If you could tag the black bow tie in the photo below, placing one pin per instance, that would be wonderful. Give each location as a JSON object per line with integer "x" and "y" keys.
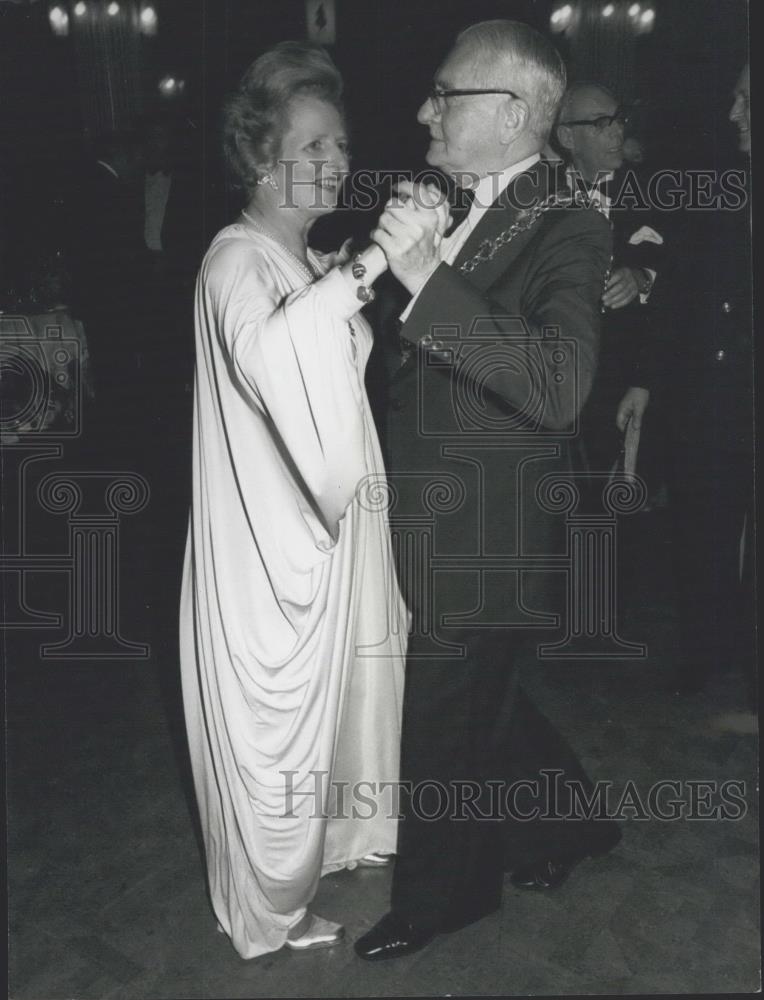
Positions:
{"x": 460, "y": 207}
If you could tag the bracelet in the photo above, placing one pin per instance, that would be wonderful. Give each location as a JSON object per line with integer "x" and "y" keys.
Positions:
{"x": 358, "y": 270}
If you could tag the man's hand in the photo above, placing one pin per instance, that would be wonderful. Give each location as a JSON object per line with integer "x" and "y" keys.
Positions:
{"x": 621, "y": 289}
{"x": 341, "y": 256}
{"x": 632, "y": 407}
{"x": 410, "y": 231}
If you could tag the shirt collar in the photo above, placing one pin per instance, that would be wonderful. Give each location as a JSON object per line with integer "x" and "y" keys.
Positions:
{"x": 601, "y": 178}
{"x": 492, "y": 185}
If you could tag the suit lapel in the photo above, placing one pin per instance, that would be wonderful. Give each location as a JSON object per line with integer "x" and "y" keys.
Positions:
{"x": 525, "y": 191}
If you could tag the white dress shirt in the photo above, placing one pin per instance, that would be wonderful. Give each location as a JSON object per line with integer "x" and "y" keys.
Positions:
{"x": 487, "y": 191}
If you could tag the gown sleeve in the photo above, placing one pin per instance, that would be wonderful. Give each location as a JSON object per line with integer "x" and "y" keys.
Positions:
{"x": 294, "y": 358}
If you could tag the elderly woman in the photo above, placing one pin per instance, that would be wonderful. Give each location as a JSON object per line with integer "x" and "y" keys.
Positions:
{"x": 292, "y": 626}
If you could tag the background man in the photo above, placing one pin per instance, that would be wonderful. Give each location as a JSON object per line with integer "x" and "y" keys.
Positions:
{"x": 471, "y": 413}
{"x": 710, "y": 367}
{"x": 591, "y": 132}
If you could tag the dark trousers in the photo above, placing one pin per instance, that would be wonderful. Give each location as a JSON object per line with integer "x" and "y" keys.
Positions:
{"x": 601, "y": 439}
{"x": 467, "y": 724}
{"x": 711, "y": 497}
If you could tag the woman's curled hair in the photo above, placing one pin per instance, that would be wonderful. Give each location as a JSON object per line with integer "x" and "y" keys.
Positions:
{"x": 255, "y": 116}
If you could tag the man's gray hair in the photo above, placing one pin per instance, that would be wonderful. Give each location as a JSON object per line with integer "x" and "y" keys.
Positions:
{"x": 513, "y": 56}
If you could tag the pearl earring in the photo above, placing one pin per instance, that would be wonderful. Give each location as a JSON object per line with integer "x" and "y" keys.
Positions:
{"x": 268, "y": 179}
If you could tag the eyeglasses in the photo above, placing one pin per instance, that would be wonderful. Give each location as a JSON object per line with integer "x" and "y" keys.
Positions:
{"x": 603, "y": 121}
{"x": 438, "y": 96}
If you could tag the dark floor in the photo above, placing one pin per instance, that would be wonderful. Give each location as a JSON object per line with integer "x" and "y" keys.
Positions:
{"x": 107, "y": 895}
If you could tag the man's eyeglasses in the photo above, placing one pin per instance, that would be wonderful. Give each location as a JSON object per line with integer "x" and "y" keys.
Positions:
{"x": 438, "y": 96}
{"x": 602, "y": 122}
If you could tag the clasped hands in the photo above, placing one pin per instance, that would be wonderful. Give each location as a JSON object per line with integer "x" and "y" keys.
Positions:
{"x": 410, "y": 231}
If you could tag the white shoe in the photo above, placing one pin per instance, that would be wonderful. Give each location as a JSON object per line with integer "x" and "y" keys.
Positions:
{"x": 374, "y": 860}
{"x": 320, "y": 934}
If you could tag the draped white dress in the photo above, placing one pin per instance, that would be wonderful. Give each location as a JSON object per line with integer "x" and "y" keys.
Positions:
{"x": 293, "y": 630}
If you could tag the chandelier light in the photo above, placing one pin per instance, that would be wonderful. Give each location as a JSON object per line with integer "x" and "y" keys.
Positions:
{"x": 59, "y": 21}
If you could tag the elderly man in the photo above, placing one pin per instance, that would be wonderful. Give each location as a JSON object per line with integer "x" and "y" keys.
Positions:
{"x": 498, "y": 348}
{"x": 591, "y": 131}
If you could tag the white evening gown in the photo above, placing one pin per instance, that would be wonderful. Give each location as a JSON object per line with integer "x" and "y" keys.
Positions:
{"x": 293, "y": 631}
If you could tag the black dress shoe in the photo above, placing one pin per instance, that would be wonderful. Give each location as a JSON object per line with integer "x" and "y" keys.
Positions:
{"x": 392, "y": 937}
{"x": 542, "y": 875}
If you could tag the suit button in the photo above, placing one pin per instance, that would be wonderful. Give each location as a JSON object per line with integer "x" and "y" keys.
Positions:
{"x": 437, "y": 345}
{"x": 720, "y": 355}
{"x": 726, "y": 307}
{"x": 427, "y": 339}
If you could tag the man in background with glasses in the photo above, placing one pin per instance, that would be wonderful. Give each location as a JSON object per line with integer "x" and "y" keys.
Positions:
{"x": 590, "y": 130}
{"x": 498, "y": 348}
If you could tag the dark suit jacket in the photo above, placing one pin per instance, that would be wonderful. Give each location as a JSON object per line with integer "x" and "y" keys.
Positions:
{"x": 709, "y": 368}
{"x": 631, "y": 336}
{"x": 110, "y": 276}
{"x": 632, "y": 341}
{"x": 488, "y": 400}
{"x": 110, "y": 249}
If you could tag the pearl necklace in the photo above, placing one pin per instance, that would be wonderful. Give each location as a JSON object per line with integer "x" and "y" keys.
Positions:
{"x": 308, "y": 271}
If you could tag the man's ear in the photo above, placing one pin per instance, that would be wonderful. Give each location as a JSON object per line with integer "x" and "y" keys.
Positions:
{"x": 565, "y": 137}
{"x": 514, "y": 119}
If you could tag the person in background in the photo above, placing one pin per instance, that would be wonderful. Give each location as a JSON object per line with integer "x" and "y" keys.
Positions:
{"x": 712, "y": 482}
{"x": 157, "y": 183}
{"x": 590, "y": 130}
{"x": 111, "y": 272}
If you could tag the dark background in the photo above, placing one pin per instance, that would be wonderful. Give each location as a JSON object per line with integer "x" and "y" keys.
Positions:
{"x": 680, "y": 75}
